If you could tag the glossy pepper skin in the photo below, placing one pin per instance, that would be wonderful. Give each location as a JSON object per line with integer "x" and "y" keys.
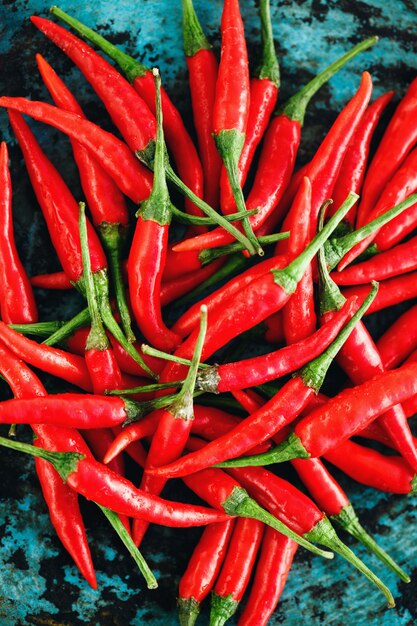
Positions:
{"x": 17, "y": 302}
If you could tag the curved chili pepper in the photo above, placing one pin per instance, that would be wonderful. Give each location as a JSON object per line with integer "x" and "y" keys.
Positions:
{"x": 263, "y": 94}
{"x": 55, "y": 280}
{"x": 148, "y": 250}
{"x": 298, "y": 315}
{"x": 258, "y": 370}
{"x": 369, "y": 467}
{"x": 399, "y": 340}
{"x": 352, "y": 170}
{"x": 281, "y": 410}
{"x": 399, "y": 137}
{"x": 202, "y": 75}
{"x": 202, "y": 570}
{"x": 300, "y": 513}
{"x": 402, "y": 184}
{"x": 236, "y": 570}
{"x": 173, "y": 429}
{"x": 61, "y": 500}
{"x": 277, "y": 159}
{"x": 340, "y": 418}
{"x": 178, "y": 139}
{"x": 391, "y": 291}
{"x": 105, "y": 201}
{"x": 17, "y": 303}
{"x": 274, "y": 563}
{"x": 132, "y": 178}
{"x": 70, "y": 367}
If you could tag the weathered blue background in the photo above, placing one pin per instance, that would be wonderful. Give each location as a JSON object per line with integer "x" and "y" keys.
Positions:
{"x": 38, "y": 582}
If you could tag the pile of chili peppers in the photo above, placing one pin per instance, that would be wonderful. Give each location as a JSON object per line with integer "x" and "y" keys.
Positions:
{"x": 128, "y": 382}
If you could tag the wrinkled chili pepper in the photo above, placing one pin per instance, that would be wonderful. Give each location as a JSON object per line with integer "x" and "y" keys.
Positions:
{"x": 17, "y": 302}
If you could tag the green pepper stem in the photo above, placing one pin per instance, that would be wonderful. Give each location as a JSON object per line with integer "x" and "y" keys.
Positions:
{"x": 349, "y": 521}
{"x": 208, "y": 255}
{"x": 196, "y": 220}
{"x": 40, "y": 329}
{"x": 112, "y": 236}
{"x": 145, "y": 388}
{"x": 136, "y": 410}
{"x": 240, "y": 504}
{"x": 269, "y": 66}
{"x": 331, "y": 298}
{"x": 127, "y": 64}
{"x": 229, "y": 144}
{"x": 295, "y": 107}
{"x": 324, "y": 533}
{"x": 182, "y": 407}
{"x": 313, "y": 374}
{"x": 65, "y": 463}
{"x": 97, "y": 338}
{"x": 337, "y": 248}
{"x": 68, "y": 328}
{"x": 222, "y": 608}
{"x": 193, "y": 35}
{"x": 291, "y": 448}
{"x": 168, "y": 357}
{"x": 188, "y": 611}
{"x": 137, "y": 556}
{"x": 289, "y": 277}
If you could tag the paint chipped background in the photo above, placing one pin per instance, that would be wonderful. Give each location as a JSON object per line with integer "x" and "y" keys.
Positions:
{"x": 38, "y": 582}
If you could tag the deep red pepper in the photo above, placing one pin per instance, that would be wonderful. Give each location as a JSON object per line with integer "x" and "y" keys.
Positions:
{"x": 17, "y": 302}
{"x": 277, "y": 159}
{"x": 402, "y": 184}
{"x": 352, "y": 170}
{"x": 274, "y": 563}
{"x": 55, "y": 280}
{"x": 202, "y": 569}
{"x": 202, "y": 75}
{"x": 399, "y": 340}
{"x": 174, "y": 289}
{"x": 178, "y": 139}
{"x": 236, "y": 569}
{"x": 148, "y": 250}
{"x": 70, "y": 367}
{"x": 399, "y": 137}
{"x": 391, "y": 291}
{"x": 263, "y": 90}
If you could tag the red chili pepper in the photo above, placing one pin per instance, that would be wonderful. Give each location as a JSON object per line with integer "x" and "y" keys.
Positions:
{"x": 174, "y": 289}
{"x": 369, "y": 467}
{"x": 61, "y": 500}
{"x": 236, "y": 569}
{"x": 277, "y": 158}
{"x": 263, "y": 91}
{"x": 399, "y": 340}
{"x": 202, "y": 75}
{"x": 148, "y": 250}
{"x": 17, "y": 303}
{"x": 57, "y": 203}
{"x": 402, "y": 184}
{"x": 352, "y": 170}
{"x": 71, "y": 368}
{"x": 300, "y": 513}
{"x": 259, "y": 370}
{"x": 173, "y": 429}
{"x": 399, "y": 137}
{"x": 96, "y": 482}
{"x": 391, "y": 291}
{"x": 178, "y": 139}
{"x": 280, "y": 411}
{"x": 55, "y": 280}
{"x": 298, "y": 315}
{"x": 274, "y": 563}
{"x": 132, "y": 178}
{"x": 103, "y": 198}
{"x": 274, "y": 332}
{"x": 202, "y": 569}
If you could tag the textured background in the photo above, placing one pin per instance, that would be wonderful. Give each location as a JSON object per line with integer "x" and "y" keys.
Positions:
{"x": 38, "y": 582}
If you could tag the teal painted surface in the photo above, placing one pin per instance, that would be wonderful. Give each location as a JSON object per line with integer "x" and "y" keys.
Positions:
{"x": 38, "y": 582}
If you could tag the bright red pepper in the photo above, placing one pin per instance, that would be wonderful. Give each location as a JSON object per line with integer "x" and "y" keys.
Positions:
{"x": 399, "y": 340}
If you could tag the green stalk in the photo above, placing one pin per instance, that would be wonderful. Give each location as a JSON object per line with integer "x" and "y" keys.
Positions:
{"x": 295, "y": 107}
{"x": 188, "y": 611}
{"x": 240, "y": 504}
{"x": 145, "y": 388}
{"x": 136, "y": 410}
{"x": 269, "y": 66}
{"x": 349, "y": 521}
{"x": 68, "y": 328}
{"x": 169, "y": 357}
{"x": 97, "y": 338}
{"x": 222, "y": 608}
{"x": 40, "y": 329}
{"x": 196, "y": 220}
{"x": 337, "y": 248}
{"x": 137, "y": 556}
{"x": 193, "y": 35}
{"x": 208, "y": 255}
{"x": 324, "y": 533}
{"x": 289, "y": 277}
